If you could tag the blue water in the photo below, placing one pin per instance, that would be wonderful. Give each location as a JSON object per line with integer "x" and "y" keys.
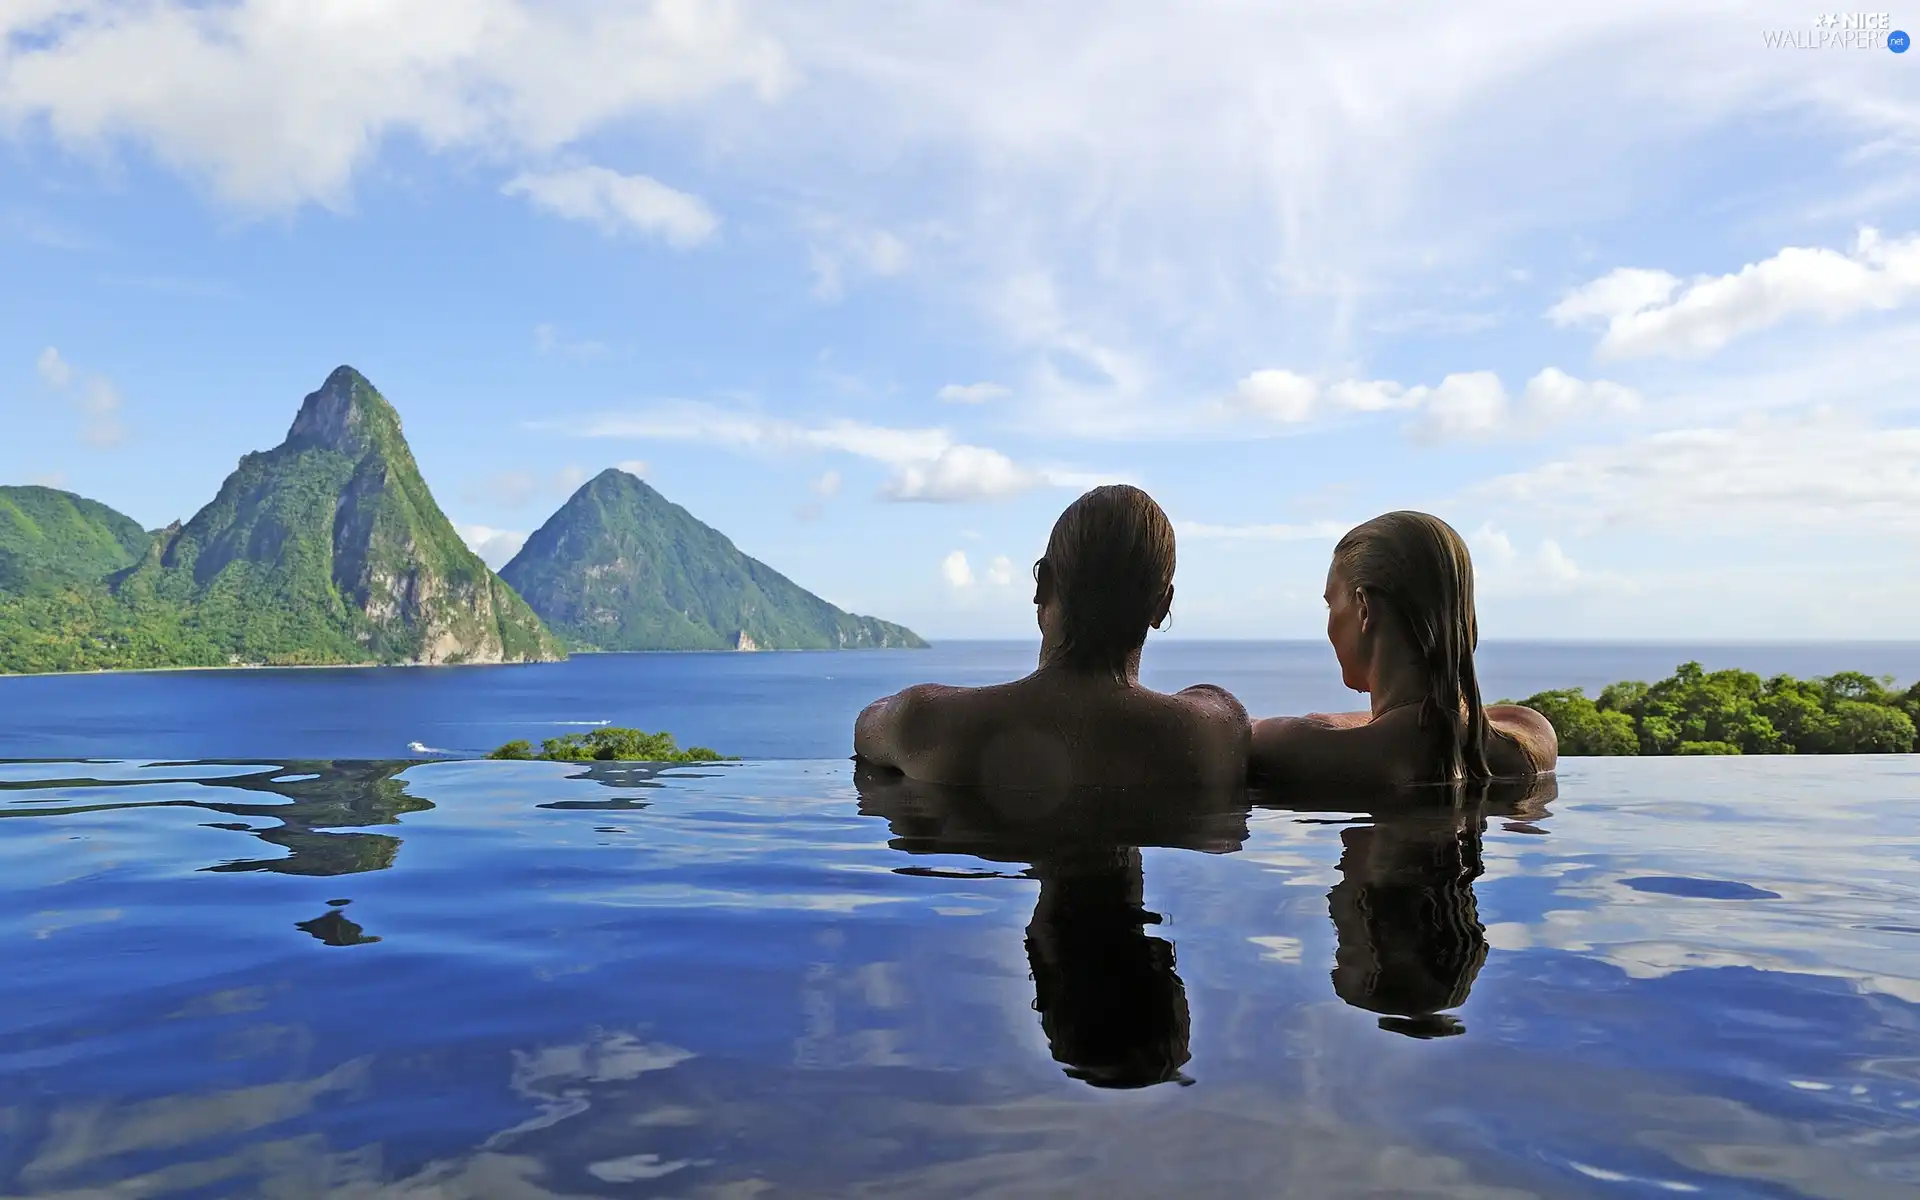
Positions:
{"x": 451, "y": 979}
{"x": 794, "y": 705}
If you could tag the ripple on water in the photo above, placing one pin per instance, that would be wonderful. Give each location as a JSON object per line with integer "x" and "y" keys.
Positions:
{"x": 773, "y": 977}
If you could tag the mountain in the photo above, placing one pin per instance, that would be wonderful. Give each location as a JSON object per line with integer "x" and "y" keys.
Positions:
{"x": 51, "y": 537}
{"x": 330, "y": 549}
{"x": 620, "y": 567}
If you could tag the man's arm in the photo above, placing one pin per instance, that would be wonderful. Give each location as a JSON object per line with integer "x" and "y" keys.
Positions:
{"x": 891, "y": 730}
{"x": 1226, "y": 721}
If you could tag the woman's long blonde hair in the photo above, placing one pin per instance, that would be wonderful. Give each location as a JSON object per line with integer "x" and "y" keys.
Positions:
{"x": 1418, "y": 567}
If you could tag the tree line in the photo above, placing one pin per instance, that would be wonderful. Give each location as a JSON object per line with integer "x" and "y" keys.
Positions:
{"x": 1696, "y": 711}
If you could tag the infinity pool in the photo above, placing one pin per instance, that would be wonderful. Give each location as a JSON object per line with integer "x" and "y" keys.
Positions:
{"x": 462, "y": 979}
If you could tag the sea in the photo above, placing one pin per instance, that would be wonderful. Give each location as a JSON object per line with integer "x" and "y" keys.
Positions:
{"x": 282, "y": 934}
{"x": 765, "y": 705}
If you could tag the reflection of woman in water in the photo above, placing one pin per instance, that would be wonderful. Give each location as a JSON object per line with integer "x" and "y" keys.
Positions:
{"x": 1111, "y": 1005}
{"x": 1400, "y": 615}
{"x": 1410, "y": 941}
{"x": 1408, "y": 928}
{"x": 1113, "y": 1010}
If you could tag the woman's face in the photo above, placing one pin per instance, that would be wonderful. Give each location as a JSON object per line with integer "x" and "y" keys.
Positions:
{"x": 1347, "y": 630}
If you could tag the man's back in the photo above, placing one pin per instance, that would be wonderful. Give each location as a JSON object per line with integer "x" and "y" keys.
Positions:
{"x": 1057, "y": 729}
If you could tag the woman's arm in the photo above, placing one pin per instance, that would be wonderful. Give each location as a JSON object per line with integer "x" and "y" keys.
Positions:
{"x": 1319, "y": 748}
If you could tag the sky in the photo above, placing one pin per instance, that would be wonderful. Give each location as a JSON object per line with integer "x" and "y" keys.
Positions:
{"x": 1627, "y": 292}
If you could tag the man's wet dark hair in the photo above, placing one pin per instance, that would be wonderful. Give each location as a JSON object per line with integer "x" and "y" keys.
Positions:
{"x": 1111, "y": 555}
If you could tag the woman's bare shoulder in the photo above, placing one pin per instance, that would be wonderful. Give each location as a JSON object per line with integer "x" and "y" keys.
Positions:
{"x": 1530, "y": 733}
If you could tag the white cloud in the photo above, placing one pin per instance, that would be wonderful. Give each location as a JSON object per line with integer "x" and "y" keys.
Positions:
{"x": 1278, "y": 394}
{"x": 496, "y": 546}
{"x": 959, "y": 474}
{"x": 1822, "y": 471}
{"x": 827, "y": 486}
{"x": 1468, "y": 405}
{"x": 518, "y": 486}
{"x": 1503, "y": 569}
{"x": 53, "y": 368}
{"x": 97, "y": 400}
{"x": 1000, "y": 572}
{"x": 1618, "y": 293}
{"x": 836, "y": 250}
{"x": 1553, "y": 396}
{"x": 1311, "y": 531}
{"x": 929, "y": 465}
{"x": 1374, "y": 395}
{"x": 277, "y": 104}
{"x": 973, "y": 393}
{"x": 636, "y": 467}
{"x": 1643, "y": 318}
{"x": 549, "y": 340}
{"x": 956, "y": 570}
{"x": 616, "y": 203}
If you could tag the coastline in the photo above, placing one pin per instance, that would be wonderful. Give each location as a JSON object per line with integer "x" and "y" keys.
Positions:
{"x": 421, "y": 666}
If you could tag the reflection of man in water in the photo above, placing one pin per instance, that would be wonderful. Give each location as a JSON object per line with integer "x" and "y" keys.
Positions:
{"x": 1112, "y": 1007}
{"x": 1113, "y": 1010}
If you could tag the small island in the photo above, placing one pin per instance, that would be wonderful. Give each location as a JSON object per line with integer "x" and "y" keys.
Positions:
{"x": 1696, "y": 711}
{"x": 612, "y": 744}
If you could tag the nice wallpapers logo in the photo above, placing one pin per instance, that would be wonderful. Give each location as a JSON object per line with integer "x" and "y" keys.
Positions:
{"x": 1842, "y": 31}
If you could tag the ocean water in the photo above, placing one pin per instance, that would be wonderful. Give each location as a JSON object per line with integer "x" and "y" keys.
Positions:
{"x": 783, "y": 705}
{"x": 271, "y": 977}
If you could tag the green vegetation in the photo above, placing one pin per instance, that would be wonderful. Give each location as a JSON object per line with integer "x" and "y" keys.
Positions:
{"x": 1695, "y": 711}
{"x": 620, "y": 567}
{"x": 49, "y": 538}
{"x": 327, "y": 549}
{"x": 612, "y": 744}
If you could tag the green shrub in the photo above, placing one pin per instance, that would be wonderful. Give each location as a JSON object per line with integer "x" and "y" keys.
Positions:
{"x": 1863, "y": 728}
{"x": 611, "y": 744}
{"x": 1584, "y": 729}
{"x": 1706, "y": 748}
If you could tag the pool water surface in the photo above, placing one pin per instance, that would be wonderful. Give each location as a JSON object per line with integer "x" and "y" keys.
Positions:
{"x": 445, "y": 979}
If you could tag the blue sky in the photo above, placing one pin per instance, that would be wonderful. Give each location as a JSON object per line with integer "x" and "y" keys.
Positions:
{"x": 1628, "y": 296}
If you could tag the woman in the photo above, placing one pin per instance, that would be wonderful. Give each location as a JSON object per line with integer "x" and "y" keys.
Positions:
{"x": 1082, "y": 718}
{"x": 1400, "y": 617}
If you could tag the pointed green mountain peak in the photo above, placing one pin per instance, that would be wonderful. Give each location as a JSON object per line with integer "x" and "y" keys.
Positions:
{"x": 347, "y": 415}
{"x": 621, "y": 567}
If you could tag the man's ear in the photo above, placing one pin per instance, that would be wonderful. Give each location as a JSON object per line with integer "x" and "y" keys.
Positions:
{"x": 1043, "y": 583}
{"x": 1362, "y": 610}
{"x": 1162, "y": 609}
